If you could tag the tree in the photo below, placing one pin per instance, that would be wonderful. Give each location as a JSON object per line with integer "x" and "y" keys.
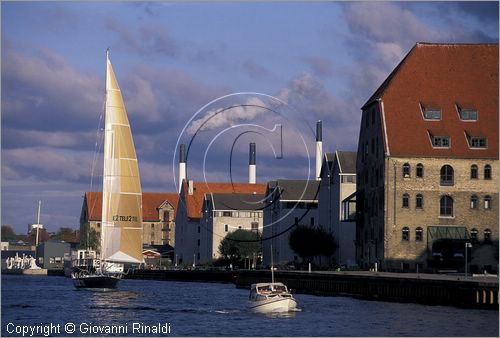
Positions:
{"x": 7, "y": 233}
{"x": 240, "y": 244}
{"x": 66, "y": 235}
{"x": 310, "y": 242}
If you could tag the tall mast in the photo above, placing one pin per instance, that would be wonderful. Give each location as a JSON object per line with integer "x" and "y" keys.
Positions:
{"x": 38, "y": 221}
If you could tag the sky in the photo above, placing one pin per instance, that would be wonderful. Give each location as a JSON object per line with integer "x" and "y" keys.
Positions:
{"x": 215, "y": 75}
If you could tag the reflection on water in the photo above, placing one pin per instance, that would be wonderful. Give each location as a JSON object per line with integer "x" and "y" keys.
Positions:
{"x": 211, "y": 309}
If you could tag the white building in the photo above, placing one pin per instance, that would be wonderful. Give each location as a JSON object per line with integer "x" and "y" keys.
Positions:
{"x": 188, "y": 234}
{"x": 336, "y": 207}
{"x": 225, "y": 213}
{"x": 288, "y": 203}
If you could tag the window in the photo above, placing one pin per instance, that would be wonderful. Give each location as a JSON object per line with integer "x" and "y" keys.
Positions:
{"x": 406, "y": 200}
{"x": 478, "y": 142}
{"x": 226, "y": 213}
{"x": 487, "y": 202}
{"x": 198, "y": 242}
{"x": 487, "y": 235}
{"x": 420, "y": 170}
{"x": 406, "y": 170}
{"x": 226, "y": 227}
{"x": 446, "y": 206}
{"x": 419, "y": 234}
{"x": 440, "y": 141}
{"x": 199, "y": 229}
{"x": 446, "y": 175}
{"x": 473, "y": 202}
{"x": 312, "y": 221}
{"x": 473, "y": 235}
{"x": 473, "y": 172}
{"x": 430, "y": 113}
{"x": 467, "y": 114}
{"x": 405, "y": 234}
{"x": 419, "y": 201}
{"x": 255, "y": 227}
{"x": 487, "y": 172}
{"x": 152, "y": 226}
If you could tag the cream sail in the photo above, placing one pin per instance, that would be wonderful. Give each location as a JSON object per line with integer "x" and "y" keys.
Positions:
{"x": 121, "y": 237}
{"x": 121, "y": 234}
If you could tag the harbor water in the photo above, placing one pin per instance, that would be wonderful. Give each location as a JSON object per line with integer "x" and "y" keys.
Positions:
{"x": 49, "y": 305}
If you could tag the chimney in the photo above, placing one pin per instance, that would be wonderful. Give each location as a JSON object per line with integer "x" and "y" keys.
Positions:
{"x": 319, "y": 149}
{"x": 252, "y": 169}
{"x": 182, "y": 165}
{"x": 190, "y": 187}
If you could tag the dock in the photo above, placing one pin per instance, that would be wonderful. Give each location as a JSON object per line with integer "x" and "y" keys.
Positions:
{"x": 479, "y": 292}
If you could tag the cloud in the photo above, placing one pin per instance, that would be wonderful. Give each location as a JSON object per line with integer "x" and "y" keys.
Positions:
{"x": 255, "y": 70}
{"x": 15, "y": 138}
{"x": 47, "y": 163}
{"x": 385, "y": 22}
{"x": 145, "y": 40}
{"x": 44, "y": 91}
{"x": 320, "y": 66}
{"x": 218, "y": 118}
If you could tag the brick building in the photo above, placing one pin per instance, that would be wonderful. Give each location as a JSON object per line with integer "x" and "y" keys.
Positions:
{"x": 427, "y": 162}
{"x": 158, "y": 216}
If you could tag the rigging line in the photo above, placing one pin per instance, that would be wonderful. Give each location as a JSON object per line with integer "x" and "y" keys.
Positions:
{"x": 97, "y": 150}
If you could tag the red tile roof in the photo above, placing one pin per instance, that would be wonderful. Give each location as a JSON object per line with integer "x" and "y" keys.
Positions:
{"x": 150, "y": 201}
{"x": 441, "y": 76}
{"x": 195, "y": 201}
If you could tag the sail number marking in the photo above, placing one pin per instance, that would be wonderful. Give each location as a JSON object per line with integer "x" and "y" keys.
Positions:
{"x": 120, "y": 218}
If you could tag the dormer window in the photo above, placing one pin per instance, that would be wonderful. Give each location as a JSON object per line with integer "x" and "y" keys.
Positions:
{"x": 430, "y": 113}
{"x": 466, "y": 114}
{"x": 476, "y": 142}
{"x": 439, "y": 141}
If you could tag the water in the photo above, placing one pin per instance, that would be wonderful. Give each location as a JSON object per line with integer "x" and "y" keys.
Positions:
{"x": 213, "y": 309}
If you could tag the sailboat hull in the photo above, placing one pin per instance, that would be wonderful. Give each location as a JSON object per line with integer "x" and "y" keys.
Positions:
{"x": 96, "y": 282}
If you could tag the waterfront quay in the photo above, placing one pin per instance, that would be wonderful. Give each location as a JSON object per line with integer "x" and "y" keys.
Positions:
{"x": 430, "y": 289}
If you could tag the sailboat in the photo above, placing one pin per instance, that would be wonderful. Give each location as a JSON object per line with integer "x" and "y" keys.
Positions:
{"x": 121, "y": 234}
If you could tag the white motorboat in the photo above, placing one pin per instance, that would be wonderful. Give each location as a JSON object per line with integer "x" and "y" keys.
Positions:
{"x": 271, "y": 298}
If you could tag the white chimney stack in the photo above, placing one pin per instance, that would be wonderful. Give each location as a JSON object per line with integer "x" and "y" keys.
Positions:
{"x": 252, "y": 168}
{"x": 182, "y": 165}
{"x": 319, "y": 149}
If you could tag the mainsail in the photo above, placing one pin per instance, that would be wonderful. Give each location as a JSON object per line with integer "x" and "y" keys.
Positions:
{"x": 121, "y": 236}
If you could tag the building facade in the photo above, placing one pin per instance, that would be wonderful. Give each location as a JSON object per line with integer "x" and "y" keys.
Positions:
{"x": 288, "y": 203}
{"x": 50, "y": 254}
{"x": 427, "y": 163}
{"x": 158, "y": 210}
{"x": 337, "y": 185}
{"x": 188, "y": 235}
{"x": 225, "y": 213}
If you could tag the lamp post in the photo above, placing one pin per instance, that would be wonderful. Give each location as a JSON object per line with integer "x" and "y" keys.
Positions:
{"x": 467, "y": 245}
